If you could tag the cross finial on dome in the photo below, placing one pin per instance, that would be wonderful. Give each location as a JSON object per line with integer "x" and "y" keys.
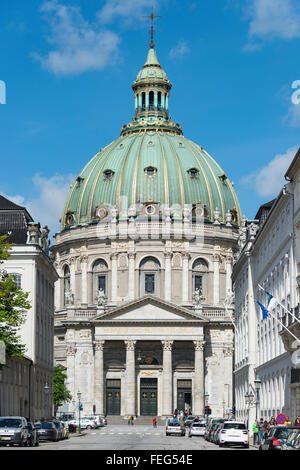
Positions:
{"x": 152, "y": 18}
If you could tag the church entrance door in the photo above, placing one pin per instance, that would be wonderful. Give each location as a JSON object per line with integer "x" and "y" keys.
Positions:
{"x": 148, "y": 396}
{"x": 113, "y": 397}
{"x": 184, "y": 395}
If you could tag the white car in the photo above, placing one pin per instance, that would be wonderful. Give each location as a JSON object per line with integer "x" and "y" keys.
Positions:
{"x": 96, "y": 419}
{"x": 84, "y": 423}
{"x": 233, "y": 433}
{"x": 197, "y": 429}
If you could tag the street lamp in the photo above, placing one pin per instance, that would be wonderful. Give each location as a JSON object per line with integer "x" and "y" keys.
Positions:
{"x": 46, "y": 390}
{"x": 79, "y": 409}
{"x": 248, "y": 400}
{"x": 257, "y": 385}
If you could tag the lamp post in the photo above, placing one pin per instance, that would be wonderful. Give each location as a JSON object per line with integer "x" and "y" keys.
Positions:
{"x": 46, "y": 390}
{"x": 79, "y": 409}
{"x": 257, "y": 385}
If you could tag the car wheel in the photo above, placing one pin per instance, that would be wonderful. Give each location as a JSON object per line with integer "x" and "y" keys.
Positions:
{"x": 37, "y": 443}
{"x": 246, "y": 446}
{"x": 89, "y": 427}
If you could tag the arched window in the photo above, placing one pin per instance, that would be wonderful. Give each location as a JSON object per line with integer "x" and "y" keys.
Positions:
{"x": 199, "y": 276}
{"x": 100, "y": 273}
{"x": 143, "y": 100}
{"x": 149, "y": 276}
{"x": 151, "y": 100}
{"x": 159, "y": 100}
{"x": 67, "y": 282}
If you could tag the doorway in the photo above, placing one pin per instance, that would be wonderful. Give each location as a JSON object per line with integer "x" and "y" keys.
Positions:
{"x": 148, "y": 396}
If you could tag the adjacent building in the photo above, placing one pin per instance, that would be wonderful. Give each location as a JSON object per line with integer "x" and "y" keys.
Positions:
{"x": 24, "y": 382}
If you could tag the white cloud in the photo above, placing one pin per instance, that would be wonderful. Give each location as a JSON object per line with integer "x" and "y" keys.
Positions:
{"x": 131, "y": 10}
{"x": 271, "y": 19}
{"x": 179, "y": 50}
{"x": 47, "y": 206}
{"x": 268, "y": 180}
{"x": 77, "y": 45}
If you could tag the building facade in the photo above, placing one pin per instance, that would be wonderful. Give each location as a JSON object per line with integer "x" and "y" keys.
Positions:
{"x": 23, "y": 381}
{"x": 263, "y": 347}
{"x": 143, "y": 319}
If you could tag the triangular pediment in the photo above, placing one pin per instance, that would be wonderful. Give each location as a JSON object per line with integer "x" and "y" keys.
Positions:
{"x": 152, "y": 309}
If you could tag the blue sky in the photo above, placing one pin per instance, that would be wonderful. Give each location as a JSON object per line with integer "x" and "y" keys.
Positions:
{"x": 68, "y": 66}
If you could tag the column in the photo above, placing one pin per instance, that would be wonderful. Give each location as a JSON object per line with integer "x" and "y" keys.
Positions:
{"x": 167, "y": 378}
{"x": 147, "y": 100}
{"x": 71, "y": 352}
{"x": 168, "y": 279}
{"x": 228, "y": 274}
{"x": 198, "y": 405}
{"x": 216, "y": 260}
{"x": 131, "y": 276}
{"x": 84, "y": 300}
{"x": 98, "y": 377}
{"x": 155, "y": 99}
{"x": 114, "y": 278}
{"x": 167, "y": 102}
{"x": 185, "y": 277}
{"x": 130, "y": 378}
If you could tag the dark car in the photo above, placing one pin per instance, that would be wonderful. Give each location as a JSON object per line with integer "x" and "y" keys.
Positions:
{"x": 33, "y": 436}
{"x": 293, "y": 440}
{"x": 60, "y": 429}
{"x": 188, "y": 421}
{"x": 47, "y": 431}
{"x": 276, "y": 437}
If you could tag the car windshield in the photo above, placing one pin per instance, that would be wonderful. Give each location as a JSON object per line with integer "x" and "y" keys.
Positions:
{"x": 173, "y": 424}
{"x": 198, "y": 425}
{"x": 281, "y": 433}
{"x": 234, "y": 426}
{"x": 43, "y": 425}
{"x": 10, "y": 423}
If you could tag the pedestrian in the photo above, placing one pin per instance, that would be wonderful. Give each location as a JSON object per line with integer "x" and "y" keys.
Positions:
{"x": 154, "y": 422}
{"x": 272, "y": 421}
{"x": 190, "y": 412}
{"x": 132, "y": 418}
{"x": 297, "y": 422}
{"x": 255, "y": 431}
{"x": 128, "y": 419}
{"x": 261, "y": 431}
{"x": 175, "y": 419}
{"x": 266, "y": 426}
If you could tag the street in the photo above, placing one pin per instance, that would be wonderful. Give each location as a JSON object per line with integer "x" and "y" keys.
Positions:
{"x": 129, "y": 438}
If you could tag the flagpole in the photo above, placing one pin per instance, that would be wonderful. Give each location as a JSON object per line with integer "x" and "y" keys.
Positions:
{"x": 281, "y": 305}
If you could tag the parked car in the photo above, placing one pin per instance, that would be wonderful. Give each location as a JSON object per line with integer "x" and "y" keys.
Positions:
{"x": 174, "y": 428}
{"x": 293, "y": 440}
{"x": 66, "y": 430}
{"x": 104, "y": 419}
{"x": 97, "y": 419}
{"x": 47, "y": 431}
{"x": 276, "y": 437}
{"x": 85, "y": 423}
{"x": 212, "y": 431}
{"x": 33, "y": 436}
{"x": 216, "y": 436}
{"x": 60, "y": 429}
{"x": 188, "y": 421}
{"x": 234, "y": 433}
{"x": 13, "y": 430}
{"x": 196, "y": 429}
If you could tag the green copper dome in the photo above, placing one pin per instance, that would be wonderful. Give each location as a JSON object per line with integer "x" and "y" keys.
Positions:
{"x": 150, "y": 163}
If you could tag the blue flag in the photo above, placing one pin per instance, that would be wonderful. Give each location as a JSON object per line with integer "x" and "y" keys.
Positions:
{"x": 263, "y": 309}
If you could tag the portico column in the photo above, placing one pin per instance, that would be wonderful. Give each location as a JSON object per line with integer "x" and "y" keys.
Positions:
{"x": 98, "y": 377}
{"x": 185, "y": 277}
{"x": 114, "y": 279}
{"x": 167, "y": 378}
{"x": 168, "y": 277}
{"x": 198, "y": 405}
{"x": 130, "y": 378}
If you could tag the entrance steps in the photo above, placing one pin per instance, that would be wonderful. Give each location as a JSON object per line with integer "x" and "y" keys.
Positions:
{"x": 143, "y": 420}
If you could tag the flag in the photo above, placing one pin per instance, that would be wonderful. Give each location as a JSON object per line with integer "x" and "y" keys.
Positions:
{"x": 263, "y": 309}
{"x": 271, "y": 300}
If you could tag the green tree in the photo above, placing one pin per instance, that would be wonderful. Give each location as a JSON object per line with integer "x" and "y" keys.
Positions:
{"x": 60, "y": 392}
{"x": 13, "y": 307}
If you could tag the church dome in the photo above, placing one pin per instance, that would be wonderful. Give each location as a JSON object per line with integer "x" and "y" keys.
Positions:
{"x": 151, "y": 163}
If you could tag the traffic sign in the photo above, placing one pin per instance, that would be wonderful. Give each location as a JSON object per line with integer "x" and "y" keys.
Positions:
{"x": 281, "y": 419}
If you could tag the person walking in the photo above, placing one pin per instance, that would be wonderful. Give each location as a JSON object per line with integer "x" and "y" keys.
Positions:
{"x": 132, "y": 419}
{"x": 128, "y": 420}
{"x": 255, "y": 431}
{"x": 261, "y": 431}
{"x": 154, "y": 422}
{"x": 272, "y": 421}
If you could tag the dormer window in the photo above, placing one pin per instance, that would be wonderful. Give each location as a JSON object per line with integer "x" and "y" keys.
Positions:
{"x": 108, "y": 174}
{"x": 193, "y": 172}
{"x": 150, "y": 170}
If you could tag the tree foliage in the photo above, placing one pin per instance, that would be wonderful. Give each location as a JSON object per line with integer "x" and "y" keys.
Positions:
{"x": 60, "y": 392}
{"x": 13, "y": 307}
